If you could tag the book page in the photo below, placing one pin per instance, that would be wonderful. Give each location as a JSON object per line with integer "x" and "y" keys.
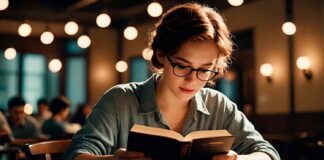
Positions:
{"x": 206, "y": 134}
{"x": 157, "y": 132}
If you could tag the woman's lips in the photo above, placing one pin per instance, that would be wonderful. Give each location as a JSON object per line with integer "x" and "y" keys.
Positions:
{"x": 186, "y": 90}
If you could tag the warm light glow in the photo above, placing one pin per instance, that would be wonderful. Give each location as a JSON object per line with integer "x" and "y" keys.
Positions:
{"x": 47, "y": 37}
{"x": 130, "y": 33}
{"x": 84, "y": 41}
{"x": 55, "y": 65}
{"x": 28, "y": 109}
{"x": 71, "y": 28}
{"x": 266, "y": 69}
{"x": 289, "y": 28}
{"x": 235, "y": 2}
{"x": 121, "y": 66}
{"x": 147, "y": 53}
{"x": 24, "y": 30}
{"x": 10, "y": 53}
{"x": 4, "y": 4}
{"x": 103, "y": 20}
{"x": 303, "y": 63}
{"x": 154, "y": 9}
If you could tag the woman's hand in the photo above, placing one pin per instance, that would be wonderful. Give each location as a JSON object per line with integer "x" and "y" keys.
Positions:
{"x": 231, "y": 155}
{"x": 122, "y": 154}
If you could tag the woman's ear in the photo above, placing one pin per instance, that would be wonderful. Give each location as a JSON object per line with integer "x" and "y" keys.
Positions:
{"x": 160, "y": 57}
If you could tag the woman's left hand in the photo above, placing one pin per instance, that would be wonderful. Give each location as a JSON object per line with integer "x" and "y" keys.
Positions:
{"x": 231, "y": 155}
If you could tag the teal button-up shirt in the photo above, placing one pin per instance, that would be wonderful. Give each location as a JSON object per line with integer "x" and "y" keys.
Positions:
{"x": 107, "y": 127}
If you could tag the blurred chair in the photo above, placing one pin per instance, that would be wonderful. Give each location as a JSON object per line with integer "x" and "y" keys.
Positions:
{"x": 46, "y": 150}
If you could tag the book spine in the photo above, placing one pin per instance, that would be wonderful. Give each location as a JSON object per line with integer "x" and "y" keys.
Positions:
{"x": 185, "y": 149}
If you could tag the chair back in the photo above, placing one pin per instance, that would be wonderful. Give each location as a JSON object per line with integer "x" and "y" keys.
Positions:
{"x": 47, "y": 149}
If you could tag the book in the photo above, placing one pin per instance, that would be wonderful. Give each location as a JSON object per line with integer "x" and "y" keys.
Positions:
{"x": 164, "y": 144}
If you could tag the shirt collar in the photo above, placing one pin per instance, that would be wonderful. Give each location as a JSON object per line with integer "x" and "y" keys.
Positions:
{"x": 148, "y": 99}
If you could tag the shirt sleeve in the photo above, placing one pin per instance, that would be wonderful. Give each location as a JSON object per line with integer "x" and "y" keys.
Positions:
{"x": 98, "y": 135}
{"x": 247, "y": 139}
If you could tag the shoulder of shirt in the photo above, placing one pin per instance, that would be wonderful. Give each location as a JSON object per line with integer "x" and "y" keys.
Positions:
{"x": 212, "y": 93}
{"x": 126, "y": 88}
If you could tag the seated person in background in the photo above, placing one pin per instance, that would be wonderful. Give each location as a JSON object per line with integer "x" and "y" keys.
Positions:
{"x": 56, "y": 127}
{"x": 43, "y": 111}
{"x": 22, "y": 125}
{"x": 81, "y": 114}
{"x": 5, "y": 131}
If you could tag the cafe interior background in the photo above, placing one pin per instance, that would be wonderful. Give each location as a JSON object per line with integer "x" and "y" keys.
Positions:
{"x": 276, "y": 77}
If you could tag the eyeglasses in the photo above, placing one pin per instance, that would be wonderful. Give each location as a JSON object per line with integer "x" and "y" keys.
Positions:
{"x": 185, "y": 71}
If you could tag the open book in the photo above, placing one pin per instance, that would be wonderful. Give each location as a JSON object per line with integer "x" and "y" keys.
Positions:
{"x": 162, "y": 144}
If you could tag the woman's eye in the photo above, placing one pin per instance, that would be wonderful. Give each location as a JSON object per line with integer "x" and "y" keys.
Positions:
{"x": 181, "y": 66}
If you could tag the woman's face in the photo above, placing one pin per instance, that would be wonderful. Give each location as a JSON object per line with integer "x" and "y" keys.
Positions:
{"x": 197, "y": 55}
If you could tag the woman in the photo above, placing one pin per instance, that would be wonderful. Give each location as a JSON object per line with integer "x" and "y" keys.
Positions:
{"x": 191, "y": 45}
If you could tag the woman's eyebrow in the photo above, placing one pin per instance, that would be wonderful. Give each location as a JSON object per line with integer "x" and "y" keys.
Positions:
{"x": 186, "y": 61}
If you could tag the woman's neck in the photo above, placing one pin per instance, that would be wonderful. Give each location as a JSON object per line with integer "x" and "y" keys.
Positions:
{"x": 166, "y": 99}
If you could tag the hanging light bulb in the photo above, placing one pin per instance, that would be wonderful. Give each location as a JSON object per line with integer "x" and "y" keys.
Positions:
{"x": 130, "y": 33}
{"x": 47, "y": 37}
{"x": 289, "y": 28}
{"x": 84, "y": 41}
{"x": 71, "y": 28}
{"x": 154, "y": 9}
{"x": 121, "y": 66}
{"x": 266, "y": 69}
{"x": 103, "y": 20}
{"x": 147, "y": 53}
{"x": 28, "y": 109}
{"x": 24, "y": 30}
{"x": 4, "y": 4}
{"x": 10, "y": 53}
{"x": 55, "y": 65}
{"x": 235, "y": 3}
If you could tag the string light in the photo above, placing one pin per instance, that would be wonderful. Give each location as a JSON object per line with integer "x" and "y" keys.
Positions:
{"x": 154, "y": 9}
{"x": 47, "y": 37}
{"x": 235, "y": 3}
{"x": 130, "y": 33}
{"x": 289, "y": 28}
{"x": 103, "y": 20}
{"x": 71, "y": 28}
{"x": 10, "y": 53}
{"x": 28, "y": 109}
{"x": 84, "y": 41}
{"x": 24, "y": 30}
{"x": 121, "y": 66}
{"x": 4, "y": 4}
{"x": 147, "y": 53}
{"x": 55, "y": 65}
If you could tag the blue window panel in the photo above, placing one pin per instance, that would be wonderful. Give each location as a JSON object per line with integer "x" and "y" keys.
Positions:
{"x": 72, "y": 48}
{"x": 53, "y": 85}
{"x": 76, "y": 81}
{"x": 33, "y": 79}
{"x": 138, "y": 69}
{"x": 8, "y": 79}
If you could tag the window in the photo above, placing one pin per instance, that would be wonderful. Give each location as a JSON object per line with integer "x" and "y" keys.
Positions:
{"x": 138, "y": 69}
{"x": 8, "y": 79}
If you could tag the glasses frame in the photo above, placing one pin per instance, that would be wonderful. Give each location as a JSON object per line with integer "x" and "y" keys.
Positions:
{"x": 214, "y": 72}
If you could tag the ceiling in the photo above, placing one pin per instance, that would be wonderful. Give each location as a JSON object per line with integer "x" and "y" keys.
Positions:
{"x": 122, "y": 12}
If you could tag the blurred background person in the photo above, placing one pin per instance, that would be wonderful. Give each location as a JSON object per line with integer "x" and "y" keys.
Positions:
{"x": 81, "y": 114}
{"x": 22, "y": 125}
{"x": 57, "y": 127}
{"x": 43, "y": 112}
{"x": 5, "y": 131}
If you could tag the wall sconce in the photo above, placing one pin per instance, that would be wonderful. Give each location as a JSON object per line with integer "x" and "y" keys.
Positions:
{"x": 303, "y": 63}
{"x": 267, "y": 70}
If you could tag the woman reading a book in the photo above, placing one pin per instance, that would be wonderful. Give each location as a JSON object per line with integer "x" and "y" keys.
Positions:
{"x": 192, "y": 47}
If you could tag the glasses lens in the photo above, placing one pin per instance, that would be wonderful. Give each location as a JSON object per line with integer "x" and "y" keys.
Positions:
{"x": 181, "y": 71}
{"x": 206, "y": 75}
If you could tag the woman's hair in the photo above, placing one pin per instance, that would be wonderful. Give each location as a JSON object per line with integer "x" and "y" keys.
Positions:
{"x": 190, "y": 22}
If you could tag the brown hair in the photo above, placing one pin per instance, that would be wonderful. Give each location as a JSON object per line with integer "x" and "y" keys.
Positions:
{"x": 190, "y": 22}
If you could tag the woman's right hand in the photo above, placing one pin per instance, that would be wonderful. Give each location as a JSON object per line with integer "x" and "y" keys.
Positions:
{"x": 123, "y": 154}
